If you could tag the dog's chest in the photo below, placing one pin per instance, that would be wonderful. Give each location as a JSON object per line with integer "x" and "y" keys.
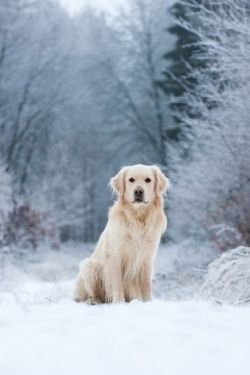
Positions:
{"x": 142, "y": 233}
{"x": 140, "y": 239}
{"x": 140, "y": 244}
{"x": 138, "y": 251}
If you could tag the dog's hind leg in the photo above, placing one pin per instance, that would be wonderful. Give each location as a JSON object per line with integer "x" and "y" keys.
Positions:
{"x": 89, "y": 281}
{"x": 80, "y": 293}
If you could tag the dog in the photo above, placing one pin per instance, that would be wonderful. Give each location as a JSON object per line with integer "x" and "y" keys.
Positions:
{"x": 121, "y": 266}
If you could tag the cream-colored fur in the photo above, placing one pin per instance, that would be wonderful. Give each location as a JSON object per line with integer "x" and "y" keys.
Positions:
{"x": 121, "y": 267}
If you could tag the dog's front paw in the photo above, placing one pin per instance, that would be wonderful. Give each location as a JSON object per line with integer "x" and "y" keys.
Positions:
{"x": 118, "y": 300}
{"x": 147, "y": 298}
{"x": 92, "y": 301}
{"x": 115, "y": 299}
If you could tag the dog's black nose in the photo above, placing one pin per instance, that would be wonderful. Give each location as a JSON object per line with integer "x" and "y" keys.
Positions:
{"x": 139, "y": 192}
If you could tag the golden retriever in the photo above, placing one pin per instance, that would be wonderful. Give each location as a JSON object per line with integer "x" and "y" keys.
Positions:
{"x": 121, "y": 267}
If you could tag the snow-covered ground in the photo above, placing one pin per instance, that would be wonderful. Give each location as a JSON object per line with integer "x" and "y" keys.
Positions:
{"x": 42, "y": 331}
{"x": 153, "y": 338}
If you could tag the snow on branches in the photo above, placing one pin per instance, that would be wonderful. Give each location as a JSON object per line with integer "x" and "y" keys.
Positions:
{"x": 214, "y": 188}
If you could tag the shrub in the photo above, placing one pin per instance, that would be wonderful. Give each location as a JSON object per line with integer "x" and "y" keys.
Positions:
{"x": 25, "y": 226}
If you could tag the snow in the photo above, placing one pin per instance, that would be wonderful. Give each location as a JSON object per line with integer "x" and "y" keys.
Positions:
{"x": 152, "y": 338}
{"x": 42, "y": 331}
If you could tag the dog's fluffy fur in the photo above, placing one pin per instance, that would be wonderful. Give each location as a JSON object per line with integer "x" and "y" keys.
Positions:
{"x": 121, "y": 267}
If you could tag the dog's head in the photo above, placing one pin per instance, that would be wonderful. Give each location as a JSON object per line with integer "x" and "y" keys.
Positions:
{"x": 139, "y": 184}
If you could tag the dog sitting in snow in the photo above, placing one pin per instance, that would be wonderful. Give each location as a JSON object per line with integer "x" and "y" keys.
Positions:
{"x": 121, "y": 267}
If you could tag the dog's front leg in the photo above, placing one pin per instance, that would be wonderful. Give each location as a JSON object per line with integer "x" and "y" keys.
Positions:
{"x": 117, "y": 284}
{"x": 114, "y": 281}
{"x": 146, "y": 282}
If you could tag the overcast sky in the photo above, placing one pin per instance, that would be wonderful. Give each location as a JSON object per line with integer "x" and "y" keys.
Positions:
{"x": 73, "y": 6}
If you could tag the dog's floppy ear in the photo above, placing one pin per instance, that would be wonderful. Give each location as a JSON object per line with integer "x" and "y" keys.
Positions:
{"x": 161, "y": 182}
{"x": 117, "y": 182}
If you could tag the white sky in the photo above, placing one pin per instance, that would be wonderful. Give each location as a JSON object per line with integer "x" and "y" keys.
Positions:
{"x": 74, "y": 6}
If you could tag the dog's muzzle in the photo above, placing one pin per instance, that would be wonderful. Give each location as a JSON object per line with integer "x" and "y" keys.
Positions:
{"x": 139, "y": 195}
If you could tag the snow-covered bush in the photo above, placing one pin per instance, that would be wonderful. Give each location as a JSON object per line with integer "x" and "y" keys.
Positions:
{"x": 21, "y": 225}
{"x": 225, "y": 237}
{"x": 228, "y": 277}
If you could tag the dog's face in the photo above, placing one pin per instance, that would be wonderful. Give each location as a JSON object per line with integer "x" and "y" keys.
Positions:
{"x": 139, "y": 184}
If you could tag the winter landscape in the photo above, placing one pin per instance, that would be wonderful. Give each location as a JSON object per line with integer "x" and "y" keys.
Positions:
{"x": 86, "y": 88}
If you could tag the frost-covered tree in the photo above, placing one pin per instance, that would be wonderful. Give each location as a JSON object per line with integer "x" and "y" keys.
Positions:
{"x": 214, "y": 188}
{"x": 5, "y": 207}
{"x": 31, "y": 67}
{"x": 135, "y": 72}
{"x": 81, "y": 157}
{"x": 5, "y": 191}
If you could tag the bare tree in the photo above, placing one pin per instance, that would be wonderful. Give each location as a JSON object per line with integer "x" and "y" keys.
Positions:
{"x": 28, "y": 99}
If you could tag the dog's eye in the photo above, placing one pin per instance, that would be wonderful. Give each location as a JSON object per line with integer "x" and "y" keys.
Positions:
{"x": 148, "y": 180}
{"x": 131, "y": 179}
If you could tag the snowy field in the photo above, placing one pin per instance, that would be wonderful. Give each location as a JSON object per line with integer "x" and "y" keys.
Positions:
{"x": 42, "y": 331}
